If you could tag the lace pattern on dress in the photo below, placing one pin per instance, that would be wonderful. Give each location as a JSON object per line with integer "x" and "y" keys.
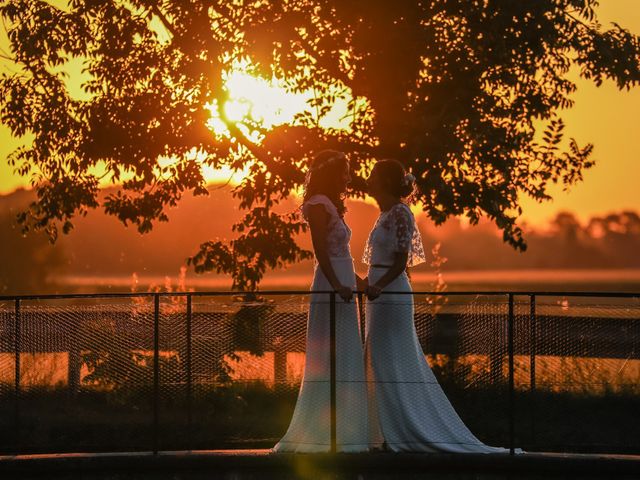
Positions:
{"x": 395, "y": 231}
{"x": 338, "y": 233}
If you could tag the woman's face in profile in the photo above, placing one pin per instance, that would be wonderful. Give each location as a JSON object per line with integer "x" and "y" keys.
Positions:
{"x": 345, "y": 176}
{"x": 373, "y": 182}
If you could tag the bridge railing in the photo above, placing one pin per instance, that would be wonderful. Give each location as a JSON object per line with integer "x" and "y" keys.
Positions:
{"x": 544, "y": 371}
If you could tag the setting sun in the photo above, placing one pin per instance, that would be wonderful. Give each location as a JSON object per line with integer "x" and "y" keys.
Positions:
{"x": 257, "y": 104}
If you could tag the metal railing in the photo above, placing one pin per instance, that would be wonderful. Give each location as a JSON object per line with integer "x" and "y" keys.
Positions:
{"x": 529, "y": 317}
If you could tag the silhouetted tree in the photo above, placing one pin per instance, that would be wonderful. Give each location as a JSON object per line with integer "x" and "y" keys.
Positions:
{"x": 617, "y": 236}
{"x": 450, "y": 87}
{"x": 28, "y": 262}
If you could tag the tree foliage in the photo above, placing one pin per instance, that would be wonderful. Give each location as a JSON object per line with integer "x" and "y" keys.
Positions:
{"x": 453, "y": 88}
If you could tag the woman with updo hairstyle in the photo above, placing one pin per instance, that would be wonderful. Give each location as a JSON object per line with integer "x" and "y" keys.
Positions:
{"x": 409, "y": 411}
{"x": 310, "y": 428}
{"x": 393, "y": 179}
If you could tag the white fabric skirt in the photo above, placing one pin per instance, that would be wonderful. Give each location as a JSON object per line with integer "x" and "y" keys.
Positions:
{"x": 409, "y": 411}
{"x": 310, "y": 427}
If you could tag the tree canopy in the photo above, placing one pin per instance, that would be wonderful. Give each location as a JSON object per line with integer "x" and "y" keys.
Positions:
{"x": 454, "y": 89}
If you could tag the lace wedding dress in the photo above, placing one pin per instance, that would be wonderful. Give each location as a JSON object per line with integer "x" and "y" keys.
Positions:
{"x": 309, "y": 430}
{"x": 408, "y": 409}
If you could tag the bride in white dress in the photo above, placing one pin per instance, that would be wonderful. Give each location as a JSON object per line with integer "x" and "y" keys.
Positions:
{"x": 309, "y": 430}
{"x": 409, "y": 410}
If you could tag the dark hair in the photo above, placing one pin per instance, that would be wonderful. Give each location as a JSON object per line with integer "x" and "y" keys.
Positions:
{"x": 321, "y": 179}
{"x": 394, "y": 178}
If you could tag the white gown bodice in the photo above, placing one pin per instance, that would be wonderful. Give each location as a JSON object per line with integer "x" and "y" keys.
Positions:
{"x": 394, "y": 232}
{"x": 338, "y": 232}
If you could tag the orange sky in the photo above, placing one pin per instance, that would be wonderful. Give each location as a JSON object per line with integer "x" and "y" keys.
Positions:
{"x": 603, "y": 116}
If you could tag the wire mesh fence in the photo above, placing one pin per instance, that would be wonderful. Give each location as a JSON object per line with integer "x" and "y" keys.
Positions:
{"x": 220, "y": 370}
{"x": 466, "y": 346}
{"x": 577, "y": 372}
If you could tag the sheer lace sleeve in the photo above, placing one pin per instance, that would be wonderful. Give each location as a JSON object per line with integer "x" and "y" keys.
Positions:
{"x": 368, "y": 251}
{"x": 407, "y": 236}
{"x": 395, "y": 231}
{"x": 403, "y": 228}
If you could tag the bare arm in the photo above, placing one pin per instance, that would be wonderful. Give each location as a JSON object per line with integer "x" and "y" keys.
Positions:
{"x": 317, "y": 217}
{"x": 399, "y": 265}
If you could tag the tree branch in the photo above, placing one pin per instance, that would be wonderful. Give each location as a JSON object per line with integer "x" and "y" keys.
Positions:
{"x": 165, "y": 21}
{"x": 313, "y": 53}
{"x": 577, "y": 20}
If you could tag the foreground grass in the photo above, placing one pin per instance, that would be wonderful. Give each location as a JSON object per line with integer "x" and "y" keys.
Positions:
{"x": 256, "y": 416}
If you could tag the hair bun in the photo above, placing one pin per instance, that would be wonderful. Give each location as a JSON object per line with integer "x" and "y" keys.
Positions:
{"x": 409, "y": 178}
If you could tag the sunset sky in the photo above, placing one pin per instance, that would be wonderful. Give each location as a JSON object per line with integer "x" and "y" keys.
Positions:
{"x": 601, "y": 115}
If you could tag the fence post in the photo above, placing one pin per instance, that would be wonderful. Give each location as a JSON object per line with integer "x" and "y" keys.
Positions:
{"x": 189, "y": 373}
{"x": 156, "y": 369}
{"x": 332, "y": 347}
{"x": 510, "y": 329}
{"x": 17, "y": 376}
{"x": 532, "y": 362}
{"x": 361, "y": 314}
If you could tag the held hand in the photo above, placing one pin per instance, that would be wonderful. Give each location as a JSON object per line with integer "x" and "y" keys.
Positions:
{"x": 345, "y": 293}
{"x": 362, "y": 283}
{"x": 373, "y": 292}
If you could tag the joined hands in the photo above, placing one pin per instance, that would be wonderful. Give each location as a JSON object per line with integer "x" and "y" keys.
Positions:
{"x": 346, "y": 293}
{"x": 362, "y": 284}
{"x": 371, "y": 291}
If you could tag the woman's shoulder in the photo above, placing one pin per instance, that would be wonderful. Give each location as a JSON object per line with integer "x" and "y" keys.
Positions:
{"x": 318, "y": 199}
{"x": 401, "y": 209}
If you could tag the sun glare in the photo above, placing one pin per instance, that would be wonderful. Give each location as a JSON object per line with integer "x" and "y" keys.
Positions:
{"x": 255, "y": 105}
{"x": 266, "y": 102}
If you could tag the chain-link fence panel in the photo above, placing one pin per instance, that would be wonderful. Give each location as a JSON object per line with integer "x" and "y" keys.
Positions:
{"x": 8, "y": 399}
{"x": 247, "y": 363}
{"x": 85, "y": 376}
{"x": 174, "y": 369}
{"x": 199, "y": 371}
{"x": 464, "y": 338}
{"x": 577, "y": 372}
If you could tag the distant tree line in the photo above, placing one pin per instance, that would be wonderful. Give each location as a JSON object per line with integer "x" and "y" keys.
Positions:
{"x": 101, "y": 247}
{"x": 609, "y": 241}
{"x": 28, "y": 263}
